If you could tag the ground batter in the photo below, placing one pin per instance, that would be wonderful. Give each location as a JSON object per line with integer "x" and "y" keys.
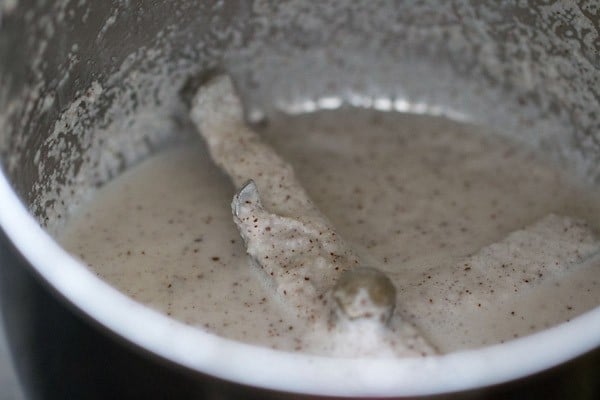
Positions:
{"x": 483, "y": 241}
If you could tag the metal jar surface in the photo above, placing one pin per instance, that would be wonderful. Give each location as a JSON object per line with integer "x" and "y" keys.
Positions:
{"x": 89, "y": 88}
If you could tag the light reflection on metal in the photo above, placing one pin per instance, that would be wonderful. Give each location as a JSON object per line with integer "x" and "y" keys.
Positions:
{"x": 384, "y": 104}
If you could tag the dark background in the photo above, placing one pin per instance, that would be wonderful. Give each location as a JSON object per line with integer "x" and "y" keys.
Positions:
{"x": 10, "y": 389}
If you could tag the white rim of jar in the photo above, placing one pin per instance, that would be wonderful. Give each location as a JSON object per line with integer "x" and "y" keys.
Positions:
{"x": 278, "y": 370}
